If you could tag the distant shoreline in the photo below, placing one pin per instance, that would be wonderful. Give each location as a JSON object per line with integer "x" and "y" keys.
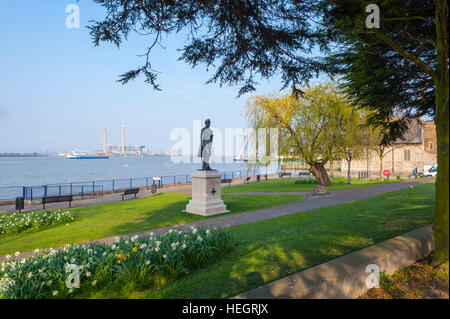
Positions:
{"x": 22, "y": 155}
{"x": 52, "y": 155}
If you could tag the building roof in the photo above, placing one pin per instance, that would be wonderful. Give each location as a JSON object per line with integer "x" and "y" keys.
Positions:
{"x": 413, "y": 135}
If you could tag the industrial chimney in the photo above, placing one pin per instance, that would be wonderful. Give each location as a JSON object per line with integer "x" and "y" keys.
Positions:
{"x": 104, "y": 140}
{"x": 123, "y": 138}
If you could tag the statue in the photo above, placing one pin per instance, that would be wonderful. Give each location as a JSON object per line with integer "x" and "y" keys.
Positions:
{"x": 206, "y": 194}
{"x": 204, "y": 151}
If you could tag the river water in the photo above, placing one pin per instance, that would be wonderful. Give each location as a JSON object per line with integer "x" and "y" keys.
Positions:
{"x": 29, "y": 171}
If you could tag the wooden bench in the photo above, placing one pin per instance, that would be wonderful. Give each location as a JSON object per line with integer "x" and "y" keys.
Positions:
{"x": 285, "y": 174}
{"x": 304, "y": 174}
{"x": 130, "y": 191}
{"x": 57, "y": 199}
{"x": 226, "y": 181}
{"x": 247, "y": 180}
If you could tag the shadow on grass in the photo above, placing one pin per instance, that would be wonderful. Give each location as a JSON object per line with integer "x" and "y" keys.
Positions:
{"x": 273, "y": 249}
{"x": 172, "y": 214}
{"x": 168, "y": 215}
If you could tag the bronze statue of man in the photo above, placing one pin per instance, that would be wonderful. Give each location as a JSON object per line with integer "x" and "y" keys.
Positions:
{"x": 206, "y": 138}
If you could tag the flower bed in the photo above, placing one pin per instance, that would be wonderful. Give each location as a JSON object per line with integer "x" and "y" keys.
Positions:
{"x": 15, "y": 223}
{"x": 137, "y": 261}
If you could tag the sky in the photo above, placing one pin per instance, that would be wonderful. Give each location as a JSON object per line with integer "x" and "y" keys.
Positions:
{"x": 58, "y": 91}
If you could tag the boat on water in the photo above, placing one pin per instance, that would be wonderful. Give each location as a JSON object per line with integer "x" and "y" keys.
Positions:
{"x": 240, "y": 159}
{"x": 86, "y": 157}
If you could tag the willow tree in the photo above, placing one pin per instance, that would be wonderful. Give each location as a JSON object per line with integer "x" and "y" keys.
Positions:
{"x": 353, "y": 135}
{"x": 309, "y": 126}
{"x": 381, "y": 150}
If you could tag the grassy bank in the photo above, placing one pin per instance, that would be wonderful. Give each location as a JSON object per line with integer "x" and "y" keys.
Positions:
{"x": 422, "y": 280}
{"x": 130, "y": 216}
{"x": 275, "y": 248}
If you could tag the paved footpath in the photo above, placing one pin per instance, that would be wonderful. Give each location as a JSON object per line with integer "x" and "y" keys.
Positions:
{"x": 337, "y": 197}
{"x": 269, "y": 193}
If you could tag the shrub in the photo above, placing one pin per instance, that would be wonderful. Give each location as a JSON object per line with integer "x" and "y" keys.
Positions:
{"x": 15, "y": 223}
{"x": 306, "y": 181}
{"x": 136, "y": 262}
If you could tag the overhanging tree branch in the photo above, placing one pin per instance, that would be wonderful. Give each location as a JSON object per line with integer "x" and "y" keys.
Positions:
{"x": 411, "y": 57}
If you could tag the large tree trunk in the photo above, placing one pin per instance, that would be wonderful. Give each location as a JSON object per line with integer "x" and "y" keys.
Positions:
{"x": 331, "y": 168}
{"x": 441, "y": 216}
{"x": 320, "y": 173}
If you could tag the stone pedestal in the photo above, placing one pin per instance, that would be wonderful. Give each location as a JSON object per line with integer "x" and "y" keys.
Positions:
{"x": 206, "y": 196}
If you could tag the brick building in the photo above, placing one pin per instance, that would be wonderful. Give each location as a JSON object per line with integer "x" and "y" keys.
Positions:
{"x": 417, "y": 149}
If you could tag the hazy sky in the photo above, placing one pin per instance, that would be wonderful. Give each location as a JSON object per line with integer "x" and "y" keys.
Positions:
{"x": 57, "y": 90}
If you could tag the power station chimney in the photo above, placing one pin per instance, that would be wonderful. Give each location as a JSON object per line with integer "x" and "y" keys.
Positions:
{"x": 123, "y": 138}
{"x": 104, "y": 140}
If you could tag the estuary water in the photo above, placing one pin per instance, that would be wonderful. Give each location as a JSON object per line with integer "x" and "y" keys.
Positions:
{"x": 30, "y": 171}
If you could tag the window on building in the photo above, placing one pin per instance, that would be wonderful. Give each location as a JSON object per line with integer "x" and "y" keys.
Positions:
{"x": 431, "y": 145}
{"x": 407, "y": 155}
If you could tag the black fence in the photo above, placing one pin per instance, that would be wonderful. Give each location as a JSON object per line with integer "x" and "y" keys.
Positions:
{"x": 98, "y": 188}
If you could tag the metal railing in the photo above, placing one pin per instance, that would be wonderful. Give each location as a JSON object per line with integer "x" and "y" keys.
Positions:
{"x": 36, "y": 192}
{"x": 99, "y": 187}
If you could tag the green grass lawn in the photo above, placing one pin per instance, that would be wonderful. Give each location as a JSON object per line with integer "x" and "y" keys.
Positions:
{"x": 288, "y": 185}
{"x": 130, "y": 216}
{"x": 275, "y": 248}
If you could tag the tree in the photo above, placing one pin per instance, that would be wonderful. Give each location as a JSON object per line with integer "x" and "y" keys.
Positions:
{"x": 334, "y": 151}
{"x": 242, "y": 38}
{"x": 381, "y": 149}
{"x": 308, "y": 126}
{"x": 400, "y": 68}
{"x": 239, "y": 39}
{"x": 351, "y": 143}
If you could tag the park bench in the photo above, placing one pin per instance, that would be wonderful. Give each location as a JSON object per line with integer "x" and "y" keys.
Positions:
{"x": 57, "y": 199}
{"x": 226, "y": 181}
{"x": 130, "y": 191}
{"x": 285, "y": 174}
{"x": 247, "y": 180}
{"x": 304, "y": 173}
